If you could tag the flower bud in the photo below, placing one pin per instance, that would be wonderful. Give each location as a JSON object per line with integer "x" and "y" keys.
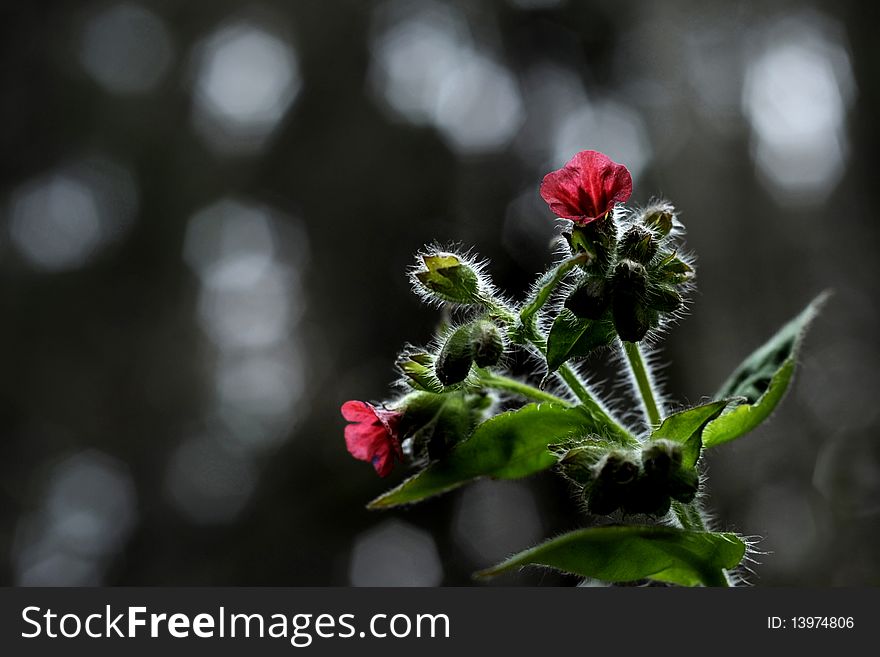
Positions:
{"x": 664, "y": 298}
{"x": 660, "y": 458}
{"x": 632, "y": 318}
{"x": 448, "y": 278}
{"x": 659, "y": 218}
{"x": 619, "y": 469}
{"x": 598, "y": 238}
{"x": 637, "y": 244}
{"x": 673, "y": 270}
{"x": 578, "y": 463}
{"x": 683, "y": 484}
{"x": 487, "y": 343}
{"x": 632, "y": 321}
{"x": 433, "y": 423}
{"x": 649, "y": 496}
{"x": 616, "y": 473}
{"x": 590, "y": 299}
{"x": 630, "y": 279}
{"x": 418, "y": 369}
{"x": 455, "y": 358}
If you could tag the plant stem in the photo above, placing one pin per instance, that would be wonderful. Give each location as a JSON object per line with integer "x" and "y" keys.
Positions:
{"x": 501, "y": 382}
{"x": 530, "y": 334}
{"x": 547, "y": 284}
{"x": 689, "y": 516}
{"x": 579, "y": 389}
{"x": 643, "y": 382}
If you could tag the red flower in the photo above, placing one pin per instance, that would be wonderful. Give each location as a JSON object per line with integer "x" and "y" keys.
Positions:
{"x": 587, "y": 187}
{"x": 372, "y": 436}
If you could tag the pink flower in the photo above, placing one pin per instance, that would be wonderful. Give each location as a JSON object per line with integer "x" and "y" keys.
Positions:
{"x": 372, "y": 436}
{"x": 587, "y": 187}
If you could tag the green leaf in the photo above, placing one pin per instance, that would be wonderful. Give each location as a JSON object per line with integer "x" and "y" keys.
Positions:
{"x": 686, "y": 427}
{"x": 762, "y": 379}
{"x": 508, "y": 446}
{"x": 629, "y": 553}
{"x": 573, "y": 337}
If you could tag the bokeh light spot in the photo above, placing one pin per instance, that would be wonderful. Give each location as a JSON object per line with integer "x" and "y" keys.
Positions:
{"x": 246, "y": 81}
{"x": 88, "y": 513}
{"x": 795, "y": 96}
{"x": 395, "y": 553}
{"x": 209, "y": 483}
{"x": 59, "y": 221}
{"x": 126, "y": 49}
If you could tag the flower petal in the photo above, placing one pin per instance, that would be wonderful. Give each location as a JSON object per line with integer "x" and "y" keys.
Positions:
{"x": 364, "y": 440}
{"x": 372, "y": 435}
{"x": 560, "y": 189}
{"x": 358, "y": 411}
{"x": 383, "y": 460}
{"x": 587, "y": 187}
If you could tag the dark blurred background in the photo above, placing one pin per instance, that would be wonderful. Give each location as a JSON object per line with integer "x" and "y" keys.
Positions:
{"x": 206, "y": 210}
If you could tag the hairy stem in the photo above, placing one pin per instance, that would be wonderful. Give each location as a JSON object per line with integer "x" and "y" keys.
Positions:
{"x": 547, "y": 284}
{"x": 508, "y": 384}
{"x": 689, "y": 516}
{"x": 580, "y": 390}
{"x": 639, "y": 369}
{"x": 529, "y": 334}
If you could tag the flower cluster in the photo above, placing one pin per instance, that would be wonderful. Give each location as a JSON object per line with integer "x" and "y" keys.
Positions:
{"x": 627, "y": 279}
{"x": 460, "y": 413}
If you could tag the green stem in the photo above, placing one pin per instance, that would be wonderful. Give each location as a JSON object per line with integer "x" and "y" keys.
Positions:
{"x": 533, "y": 336}
{"x": 547, "y": 284}
{"x": 689, "y": 516}
{"x": 643, "y": 382}
{"x": 501, "y": 382}
{"x": 580, "y": 390}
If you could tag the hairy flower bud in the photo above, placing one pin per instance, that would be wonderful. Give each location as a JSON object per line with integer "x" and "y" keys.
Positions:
{"x": 487, "y": 343}
{"x": 455, "y": 358}
{"x": 630, "y": 279}
{"x": 649, "y": 496}
{"x": 577, "y": 460}
{"x": 659, "y": 218}
{"x": 665, "y": 477}
{"x": 637, "y": 244}
{"x": 590, "y": 299}
{"x": 418, "y": 368}
{"x": 615, "y": 474}
{"x": 660, "y": 458}
{"x": 664, "y": 298}
{"x": 598, "y": 239}
{"x": 673, "y": 270}
{"x": 448, "y": 278}
{"x": 632, "y": 318}
{"x": 683, "y": 484}
{"x": 432, "y": 424}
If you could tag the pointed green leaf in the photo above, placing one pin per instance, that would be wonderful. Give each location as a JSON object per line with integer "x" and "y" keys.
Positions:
{"x": 573, "y": 337}
{"x": 508, "y": 446}
{"x": 686, "y": 427}
{"x": 762, "y": 379}
{"x": 629, "y": 553}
